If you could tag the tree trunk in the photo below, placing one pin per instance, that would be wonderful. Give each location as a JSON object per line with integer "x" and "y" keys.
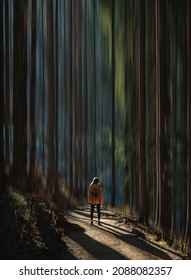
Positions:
{"x": 80, "y": 115}
{"x": 33, "y": 101}
{"x": 113, "y": 104}
{"x": 188, "y": 209}
{"x": 143, "y": 214}
{"x": 2, "y": 167}
{"x": 19, "y": 167}
{"x": 95, "y": 92}
{"x": 56, "y": 91}
{"x": 157, "y": 206}
{"x": 43, "y": 92}
{"x": 50, "y": 70}
{"x": 75, "y": 98}
{"x": 65, "y": 71}
{"x": 127, "y": 130}
{"x": 162, "y": 119}
{"x": 7, "y": 89}
{"x": 85, "y": 110}
{"x": 70, "y": 94}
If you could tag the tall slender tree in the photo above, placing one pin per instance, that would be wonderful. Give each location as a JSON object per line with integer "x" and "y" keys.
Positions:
{"x": 75, "y": 97}
{"x": 128, "y": 166}
{"x": 113, "y": 102}
{"x": 143, "y": 212}
{"x": 126, "y": 186}
{"x": 188, "y": 208}
{"x": 56, "y": 97}
{"x": 19, "y": 167}
{"x": 33, "y": 100}
{"x": 51, "y": 105}
{"x": 163, "y": 118}
{"x": 95, "y": 92}
{"x": 1, "y": 99}
{"x": 65, "y": 99}
{"x": 70, "y": 92}
{"x": 157, "y": 154}
{"x": 7, "y": 87}
{"x": 43, "y": 88}
{"x": 85, "y": 98}
{"x": 80, "y": 99}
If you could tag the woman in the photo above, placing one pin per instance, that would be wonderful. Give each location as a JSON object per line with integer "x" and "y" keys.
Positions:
{"x": 95, "y": 197}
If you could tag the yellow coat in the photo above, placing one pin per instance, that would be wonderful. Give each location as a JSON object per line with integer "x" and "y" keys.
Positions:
{"x": 95, "y": 194}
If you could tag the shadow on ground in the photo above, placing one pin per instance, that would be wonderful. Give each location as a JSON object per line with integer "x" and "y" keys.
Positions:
{"x": 39, "y": 234}
{"x": 118, "y": 232}
{"x": 95, "y": 248}
{"x": 21, "y": 240}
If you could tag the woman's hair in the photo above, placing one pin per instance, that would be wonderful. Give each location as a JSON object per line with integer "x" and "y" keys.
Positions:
{"x": 96, "y": 180}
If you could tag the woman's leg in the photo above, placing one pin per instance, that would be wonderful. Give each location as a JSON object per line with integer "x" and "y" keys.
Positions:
{"x": 98, "y": 212}
{"x": 92, "y": 213}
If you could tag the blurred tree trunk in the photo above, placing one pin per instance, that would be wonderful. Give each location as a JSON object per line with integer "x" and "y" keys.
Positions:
{"x": 75, "y": 98}
{"x": 43, "y": 85}
{"x": 19, "y": 167}
{"x": 70, "y": 94}
{"x": 95, "y": 92}
{"x": 188, "y": 209}
{"x": 113, "y": 102}
{"x": 157, "y": 206}
{"x": 162, "y": 119}
{"x": 185, "y": 118}
{"x": 7, "y": 89}
{"x": 150, "y": 91}
{"x": 127, "y": 130}
{"x": 65, "y": 115}
{"x": 33, "y": 100}
{"x": 80, "y": 111}
{"x": 143, "y": 214}
{"x": 85, "y": 101}
{"x": 56, "y": 95}
{"x": 2, "y": 167}
{"x": 50, "y": 82}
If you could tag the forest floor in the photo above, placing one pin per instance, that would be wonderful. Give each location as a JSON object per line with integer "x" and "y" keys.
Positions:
{"x": 36, "y": 229}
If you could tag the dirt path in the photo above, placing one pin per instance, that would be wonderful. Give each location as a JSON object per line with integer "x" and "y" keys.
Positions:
{"x": 37, "y": 229}
{"x": 112, "y": 240}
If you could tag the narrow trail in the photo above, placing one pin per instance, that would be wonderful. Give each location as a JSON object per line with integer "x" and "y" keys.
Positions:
{"x": 112, "y": 240}
{"x": 37, "y": 229}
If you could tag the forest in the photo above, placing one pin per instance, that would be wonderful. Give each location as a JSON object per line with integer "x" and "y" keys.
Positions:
{"x": 99, "y": 88}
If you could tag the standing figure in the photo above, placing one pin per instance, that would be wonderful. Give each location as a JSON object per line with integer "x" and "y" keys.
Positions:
{"x": 95, "y": 197}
